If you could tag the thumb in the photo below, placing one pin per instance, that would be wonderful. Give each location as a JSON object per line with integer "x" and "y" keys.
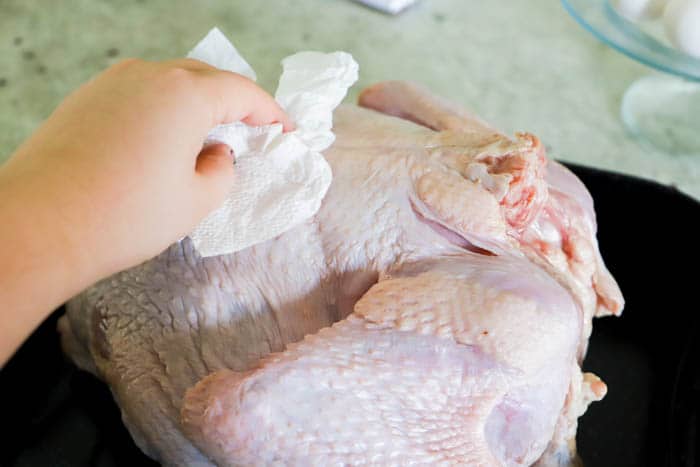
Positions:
{"x": 215, "y": 167}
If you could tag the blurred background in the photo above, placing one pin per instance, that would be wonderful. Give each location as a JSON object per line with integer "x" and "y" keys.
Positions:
{"x": 519, "y": 65}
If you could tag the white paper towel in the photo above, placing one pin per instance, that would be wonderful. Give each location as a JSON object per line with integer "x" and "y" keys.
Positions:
{"x": 281, "y": 178}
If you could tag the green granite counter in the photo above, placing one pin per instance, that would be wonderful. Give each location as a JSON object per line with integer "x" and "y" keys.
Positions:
{"x": 522, "y": 65}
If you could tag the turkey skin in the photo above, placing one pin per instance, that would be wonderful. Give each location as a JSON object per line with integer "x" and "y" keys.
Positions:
{"x": 435, "y": 311}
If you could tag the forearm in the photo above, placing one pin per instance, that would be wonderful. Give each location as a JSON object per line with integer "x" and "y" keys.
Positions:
{"x": 115, "y": 175}
{"x": 40, "y": 262}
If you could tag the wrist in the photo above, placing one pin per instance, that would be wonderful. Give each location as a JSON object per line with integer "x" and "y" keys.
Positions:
{"x": 40, "y": 246}
{"x": 34, "y": 278}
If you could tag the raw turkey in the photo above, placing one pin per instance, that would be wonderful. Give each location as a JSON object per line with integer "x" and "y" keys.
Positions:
{"x": 435, "y": 311}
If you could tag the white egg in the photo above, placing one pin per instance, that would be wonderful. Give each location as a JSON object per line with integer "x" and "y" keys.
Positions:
{"x": 682, "y": 22}
{"x": 635, "y": 10}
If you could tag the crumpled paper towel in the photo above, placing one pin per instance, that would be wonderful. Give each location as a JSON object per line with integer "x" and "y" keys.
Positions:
{"x": 281, "y": 178}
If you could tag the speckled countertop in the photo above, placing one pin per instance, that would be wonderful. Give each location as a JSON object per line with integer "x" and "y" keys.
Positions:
{"x": 522, "y": 65}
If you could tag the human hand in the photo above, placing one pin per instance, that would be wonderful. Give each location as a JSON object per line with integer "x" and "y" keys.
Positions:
{"x": 118, "y": 173}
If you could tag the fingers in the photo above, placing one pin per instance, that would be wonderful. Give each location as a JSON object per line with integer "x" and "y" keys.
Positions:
{"x": 234, "y": 97}
{"x": 225, "y": 97}
{"x": 215, "y": 167}
{"x": 228, "y": 97}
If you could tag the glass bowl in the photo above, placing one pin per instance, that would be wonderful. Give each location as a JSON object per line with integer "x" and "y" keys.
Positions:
{"x": 661, "y": 110}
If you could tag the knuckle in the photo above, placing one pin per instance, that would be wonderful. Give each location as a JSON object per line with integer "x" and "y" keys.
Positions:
{"x": 177, "y": 79}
